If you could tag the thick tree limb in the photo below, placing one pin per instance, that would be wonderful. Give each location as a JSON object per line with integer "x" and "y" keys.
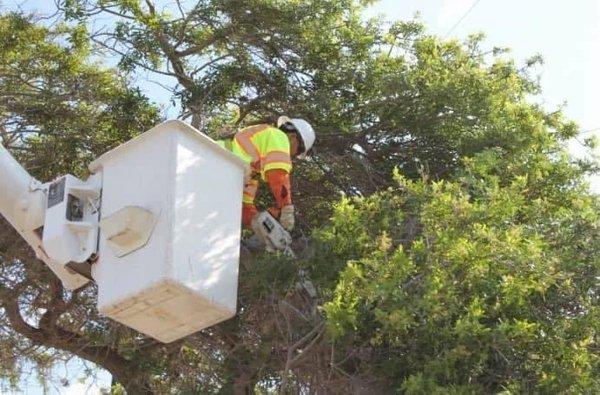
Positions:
{"x": 50, "y": 335}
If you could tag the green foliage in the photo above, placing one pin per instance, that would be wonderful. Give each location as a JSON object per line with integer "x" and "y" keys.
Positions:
{"x": 380, "y": 95}
{"x": 462, "y": 251}
{"x": 58, "y": 111}
{"x": 497, "y": 291}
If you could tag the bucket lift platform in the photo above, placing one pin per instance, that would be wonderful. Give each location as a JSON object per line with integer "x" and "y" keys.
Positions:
{"x": 169, "y": 232}
{"x": 162, "y": 215}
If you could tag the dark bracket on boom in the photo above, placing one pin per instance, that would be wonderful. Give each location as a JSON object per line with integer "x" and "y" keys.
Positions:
{"x": 84, "y": 268}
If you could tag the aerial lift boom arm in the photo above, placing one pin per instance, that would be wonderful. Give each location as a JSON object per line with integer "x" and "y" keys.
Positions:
{"x": 23, "y": 204}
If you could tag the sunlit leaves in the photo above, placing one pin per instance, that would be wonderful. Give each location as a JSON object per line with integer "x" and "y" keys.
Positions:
{"x": 490, "y": 294}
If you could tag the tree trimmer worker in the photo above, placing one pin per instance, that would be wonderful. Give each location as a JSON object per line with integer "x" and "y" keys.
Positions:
{"x": 269, "y": 151}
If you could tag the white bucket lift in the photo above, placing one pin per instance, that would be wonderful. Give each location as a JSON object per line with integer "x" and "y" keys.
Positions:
{"x": 163, "y": 214}
{"x": 169, "y": 232}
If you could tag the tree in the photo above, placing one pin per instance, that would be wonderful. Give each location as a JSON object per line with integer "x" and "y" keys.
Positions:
{"x": 57, "y": 112}
{"x": 495, "y": 292}
{"x": 471, "y": 270}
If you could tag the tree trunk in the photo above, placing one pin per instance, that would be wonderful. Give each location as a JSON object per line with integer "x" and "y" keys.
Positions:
{"x": 244, "y": 384}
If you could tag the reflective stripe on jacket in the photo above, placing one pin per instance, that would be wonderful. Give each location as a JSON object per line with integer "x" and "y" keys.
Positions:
{"x": 264, "y": 147}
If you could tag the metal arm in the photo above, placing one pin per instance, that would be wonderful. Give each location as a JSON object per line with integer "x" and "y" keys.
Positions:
{"x": 23, "y": 204}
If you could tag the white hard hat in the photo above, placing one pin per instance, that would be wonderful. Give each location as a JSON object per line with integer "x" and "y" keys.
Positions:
{"x": 306, "y": 132}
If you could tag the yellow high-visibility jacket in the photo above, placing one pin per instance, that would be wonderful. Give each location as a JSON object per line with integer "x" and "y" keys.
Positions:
{"x": 263, "y": 147}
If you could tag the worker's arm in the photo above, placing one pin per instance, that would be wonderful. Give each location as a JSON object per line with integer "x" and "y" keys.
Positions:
{"x": 276, "y": 169}
{"x": 280, "y": 185}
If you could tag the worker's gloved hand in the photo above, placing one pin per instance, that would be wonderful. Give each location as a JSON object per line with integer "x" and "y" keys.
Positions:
{"x": 286, "y": 219}
{"x": 274, "y": 211}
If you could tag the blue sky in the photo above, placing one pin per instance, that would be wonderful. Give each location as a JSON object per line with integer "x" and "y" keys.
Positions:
{"x": 566, "y": 34}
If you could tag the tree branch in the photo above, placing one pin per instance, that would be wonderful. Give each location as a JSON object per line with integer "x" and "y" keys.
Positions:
{"x": 51, "y": 336}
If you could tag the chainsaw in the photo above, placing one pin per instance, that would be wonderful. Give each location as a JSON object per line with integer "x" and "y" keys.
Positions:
{"x": 276, "y": 238}
{"x": 273, "y": 235}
